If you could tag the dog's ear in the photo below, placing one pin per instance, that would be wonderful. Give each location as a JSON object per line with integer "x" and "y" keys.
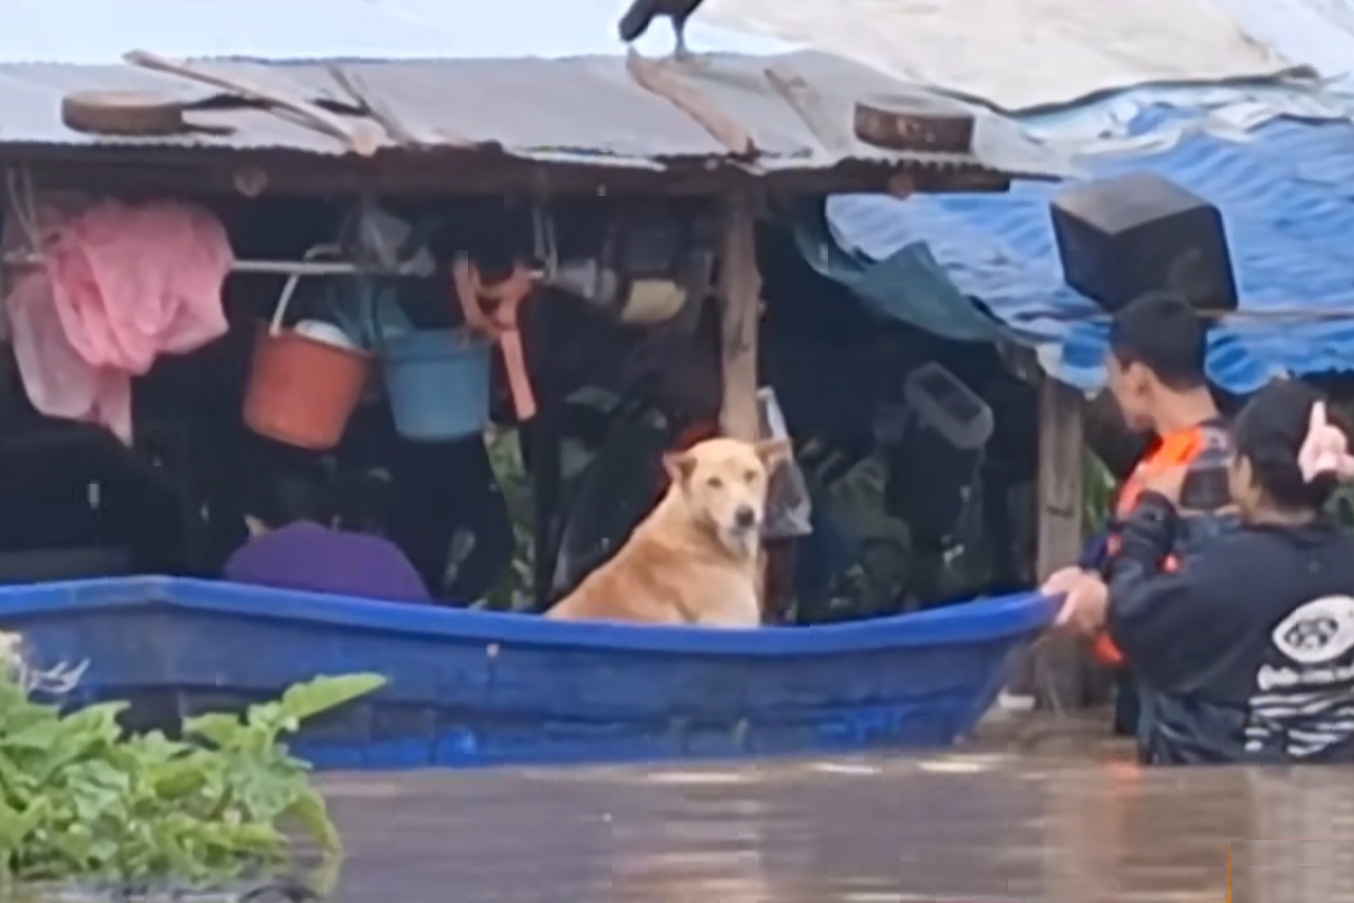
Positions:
{"x": 774, "y": 453}
{"x": 680, "y": 466}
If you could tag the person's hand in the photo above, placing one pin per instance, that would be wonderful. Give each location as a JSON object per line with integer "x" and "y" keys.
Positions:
{"x": 1061, "y": 581}
{"x": 1085, "y": 607}
{"x": 1167, "y": 483}
{"x": 1326, "y": 448}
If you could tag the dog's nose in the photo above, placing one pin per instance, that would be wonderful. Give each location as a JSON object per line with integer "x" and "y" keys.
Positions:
{"x": 745, "y": 517}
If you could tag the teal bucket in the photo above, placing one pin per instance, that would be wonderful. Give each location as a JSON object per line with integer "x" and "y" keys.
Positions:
{"x": 438, "y": 384}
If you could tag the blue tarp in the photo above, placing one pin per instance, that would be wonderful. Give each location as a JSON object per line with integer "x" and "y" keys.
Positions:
{"x": 1286, "y": 193}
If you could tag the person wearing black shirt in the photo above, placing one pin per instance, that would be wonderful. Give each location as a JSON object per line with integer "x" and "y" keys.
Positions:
{"x": 1246, "y": 652}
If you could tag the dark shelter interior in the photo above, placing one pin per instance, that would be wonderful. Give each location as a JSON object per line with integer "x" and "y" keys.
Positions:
{"x": 934, "y": 521}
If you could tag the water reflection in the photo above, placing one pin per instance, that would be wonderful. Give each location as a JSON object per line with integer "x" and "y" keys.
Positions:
{"x": 714, "y": 854}
{"x": 1035, "y": 825}
{"x": 1299, "y": 847}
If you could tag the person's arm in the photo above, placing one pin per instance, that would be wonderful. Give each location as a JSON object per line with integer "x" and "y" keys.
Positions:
{"x": 1095, "y": 553}
{"x": 1162, "y": 620}
{"x": 1091, "y": 563}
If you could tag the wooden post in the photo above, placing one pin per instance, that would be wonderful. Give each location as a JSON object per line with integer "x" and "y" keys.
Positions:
{"x": 740, "y": 297}
{"x": 1061, "y": 664}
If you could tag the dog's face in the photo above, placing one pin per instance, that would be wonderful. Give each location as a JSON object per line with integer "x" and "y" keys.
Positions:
{"x": 723, "y": 483}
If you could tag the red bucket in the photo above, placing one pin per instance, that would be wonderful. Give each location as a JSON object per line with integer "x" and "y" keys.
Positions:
{"x": 302, "y": 391}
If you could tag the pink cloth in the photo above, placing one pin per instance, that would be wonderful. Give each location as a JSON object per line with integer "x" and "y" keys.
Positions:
{"x": 120, "y": 285}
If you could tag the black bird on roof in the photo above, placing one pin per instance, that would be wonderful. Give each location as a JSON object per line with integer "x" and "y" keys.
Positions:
{"x": 641, "y": 14}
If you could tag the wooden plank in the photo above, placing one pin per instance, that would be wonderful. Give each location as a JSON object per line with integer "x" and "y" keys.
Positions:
{"x": 1061, "y": 663}
{"x": 740, "y": 291}
{"x": 740, "y": 297}
{"x": 381, "y": 110}
{"x": 1060, "y": 476}
{"x": 660, "y": 81}
{"x": 808, "y": 103}
{"x": 359, "y": 137}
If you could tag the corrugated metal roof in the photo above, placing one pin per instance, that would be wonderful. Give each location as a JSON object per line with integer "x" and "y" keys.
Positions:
{"x": 584, "y": 106}
{"x": 1287, "y": 198}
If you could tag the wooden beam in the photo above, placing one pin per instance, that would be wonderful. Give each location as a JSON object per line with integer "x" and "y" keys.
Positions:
{"x": 359, "y": 137}
{"x": 212, "y": 172}
{"x": 808, "y": 103}
{"x": 385, "y": 114}
{"x": 660, "y": 80}
{"x": 1061, "y": 663}
{"x": 740, "y": 289}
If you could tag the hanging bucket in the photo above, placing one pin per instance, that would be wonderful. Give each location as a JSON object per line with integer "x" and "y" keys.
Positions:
{"x": 302, "y": 389}
{"x": 438, "y": 384}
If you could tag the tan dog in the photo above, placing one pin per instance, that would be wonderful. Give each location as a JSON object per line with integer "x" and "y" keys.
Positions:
{"x": 695, "y": 559}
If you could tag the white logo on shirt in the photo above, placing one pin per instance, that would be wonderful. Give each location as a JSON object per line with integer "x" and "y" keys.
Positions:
{"x": 1318, "y": 632}
{"x": 1307, "y": 705}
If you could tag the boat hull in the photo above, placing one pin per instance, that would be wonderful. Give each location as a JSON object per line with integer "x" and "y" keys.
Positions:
{"x": 478, "y": 688}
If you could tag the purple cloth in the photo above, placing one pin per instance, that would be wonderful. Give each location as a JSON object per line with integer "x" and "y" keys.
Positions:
{"x": 313, "y": 559}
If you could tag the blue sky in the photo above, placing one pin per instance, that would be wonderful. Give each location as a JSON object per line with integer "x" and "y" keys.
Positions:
{"x": 41, "y": 30}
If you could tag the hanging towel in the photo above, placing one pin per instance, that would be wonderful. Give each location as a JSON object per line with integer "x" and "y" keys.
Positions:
{"x": 119, "y": 286}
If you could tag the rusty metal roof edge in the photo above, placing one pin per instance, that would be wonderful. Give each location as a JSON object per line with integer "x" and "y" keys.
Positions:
{"x": 780, "y": 162}
{"x": 728, "y": 131}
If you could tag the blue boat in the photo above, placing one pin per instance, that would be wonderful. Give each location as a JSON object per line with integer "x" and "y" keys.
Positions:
{"x": 479, "y": 688}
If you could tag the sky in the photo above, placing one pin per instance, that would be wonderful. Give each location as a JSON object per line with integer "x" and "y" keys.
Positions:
{"x": 40, "y": 30}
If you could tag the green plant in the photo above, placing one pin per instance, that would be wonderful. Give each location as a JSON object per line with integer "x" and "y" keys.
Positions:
{"x": 80, "y": 801}
{"x": 513, "y": 591}
{"x": 1098, "y": 490}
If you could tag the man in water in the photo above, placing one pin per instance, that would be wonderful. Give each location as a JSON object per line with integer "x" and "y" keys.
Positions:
{"x": 293, "y": 545}
{"x": 1155, "y": 370}
{"x": 1246, "y": 653}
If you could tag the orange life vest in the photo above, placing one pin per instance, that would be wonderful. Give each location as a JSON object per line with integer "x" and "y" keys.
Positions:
{"x": 1176, "y": 450}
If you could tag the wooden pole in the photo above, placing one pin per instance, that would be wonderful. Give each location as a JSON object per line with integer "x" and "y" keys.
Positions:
{"x": 740, "y": 297}
{"x": 740, "y": 291}
{"x": 1061, "y": 664}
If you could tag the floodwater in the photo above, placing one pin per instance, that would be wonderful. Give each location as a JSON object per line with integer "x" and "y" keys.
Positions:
{"x": 1038, "y": 813}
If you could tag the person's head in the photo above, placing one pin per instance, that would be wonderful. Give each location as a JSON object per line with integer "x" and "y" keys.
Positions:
{"x": 363, "y": 500}
{"x": 1268, "y": 472}
{"x": 288, "y": 495}
{"x": 1158, "y": 345}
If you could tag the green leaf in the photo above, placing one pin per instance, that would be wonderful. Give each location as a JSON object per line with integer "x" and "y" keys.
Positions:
{"x": 325, "y": 693}
{"x": 81, "y": 802}
{"x": 216, "y": 727}
{"x": 98, "y": 720}
{"x": 38, "y": 735}
{"x": 15, "y": 826}
{"x": 309, "y": 810}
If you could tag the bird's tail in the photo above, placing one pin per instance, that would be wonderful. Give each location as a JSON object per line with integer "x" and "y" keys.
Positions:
{"x": 636, "y": 20}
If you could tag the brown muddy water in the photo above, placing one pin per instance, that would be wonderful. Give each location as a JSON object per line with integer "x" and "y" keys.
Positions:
{"x": 1035, "y": 812}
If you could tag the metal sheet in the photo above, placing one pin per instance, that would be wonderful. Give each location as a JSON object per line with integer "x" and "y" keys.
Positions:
{"x": 581, "y": 106}
{"x": 30, "y": 110}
